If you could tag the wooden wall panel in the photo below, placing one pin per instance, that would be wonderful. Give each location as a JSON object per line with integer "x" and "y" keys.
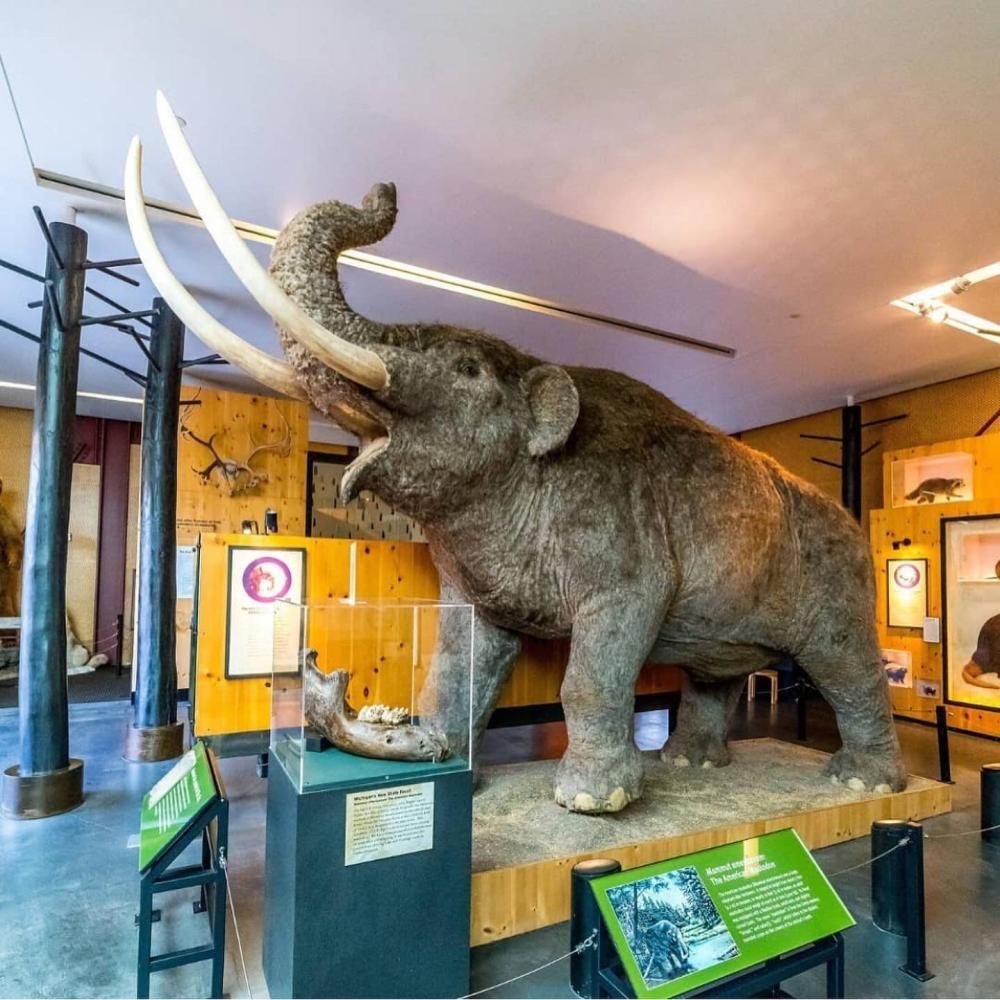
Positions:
{"x": 15, "y": 462}
{"x": 943, "y": 411}
{"x": 379, "y": 656}
{"x": 922, "y": 525}
{"x": 81, "y": 564}
{"x": 239, "y": 421}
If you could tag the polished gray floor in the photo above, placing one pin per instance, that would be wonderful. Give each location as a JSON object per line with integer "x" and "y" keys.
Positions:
{"x": 69, "y": 886}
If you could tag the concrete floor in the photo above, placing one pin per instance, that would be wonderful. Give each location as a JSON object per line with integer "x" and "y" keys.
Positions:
{"x": 69, "y": 887}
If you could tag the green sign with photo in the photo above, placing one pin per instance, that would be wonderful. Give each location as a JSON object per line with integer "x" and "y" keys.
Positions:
{"x": 173, "y": 802}
{"x": 682, "y": 923}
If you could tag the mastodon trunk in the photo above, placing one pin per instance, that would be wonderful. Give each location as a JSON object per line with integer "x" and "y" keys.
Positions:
{"x": 304, "y": 259}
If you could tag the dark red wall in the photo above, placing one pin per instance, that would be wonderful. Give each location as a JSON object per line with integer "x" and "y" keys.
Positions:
{"x": 106, "y": 443}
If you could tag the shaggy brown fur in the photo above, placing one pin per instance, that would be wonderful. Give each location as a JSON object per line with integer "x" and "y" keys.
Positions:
{"x": 579, "y": 502}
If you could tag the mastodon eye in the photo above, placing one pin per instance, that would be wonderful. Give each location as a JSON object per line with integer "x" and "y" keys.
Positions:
{"x": 468, "y": 367}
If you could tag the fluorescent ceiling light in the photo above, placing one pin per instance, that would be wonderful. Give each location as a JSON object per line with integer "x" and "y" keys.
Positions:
{"x": 80, "y": 392}
{"x": 928, "y": 303}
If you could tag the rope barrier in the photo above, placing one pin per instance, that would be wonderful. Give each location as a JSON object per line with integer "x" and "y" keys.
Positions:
{"x": 870, "y": 861}
{"x": 589, "y": 942}
{"x": 224, "y": 864}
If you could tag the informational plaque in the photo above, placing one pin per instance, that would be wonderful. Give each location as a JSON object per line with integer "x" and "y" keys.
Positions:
{"x": 907, "y": 583}
{"x": 680, "y": 924}
{"x": 265, "y": 618}
{"x": 387, "y": 822}
{"x": 173, "y": 802}
{"x": 185, "y": 571}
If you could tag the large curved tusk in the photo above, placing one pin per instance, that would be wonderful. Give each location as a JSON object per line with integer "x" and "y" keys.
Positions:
{"x": 356, "y": 363}
{"x": 262, "y": 366}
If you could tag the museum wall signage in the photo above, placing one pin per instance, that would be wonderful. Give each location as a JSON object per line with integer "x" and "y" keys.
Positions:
{"x": 971, "y": 562}
{"x": 907, "y": 592}
{"x": 679, "y": 924}
{"x": 265, "y": 619}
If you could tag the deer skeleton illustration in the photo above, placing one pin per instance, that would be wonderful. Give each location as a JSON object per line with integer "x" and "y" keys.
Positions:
{"x": 238, "y": 477}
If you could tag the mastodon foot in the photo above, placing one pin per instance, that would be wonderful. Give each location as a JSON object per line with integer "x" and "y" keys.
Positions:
{"x": 602, "y": 783}
{"x": 695, "y": 750}
{"x": 874, "y": 770}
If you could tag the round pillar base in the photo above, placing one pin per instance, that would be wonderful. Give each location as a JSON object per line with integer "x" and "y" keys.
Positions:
{"x": 144, "y": 744}
{"x": 35, "y": 796}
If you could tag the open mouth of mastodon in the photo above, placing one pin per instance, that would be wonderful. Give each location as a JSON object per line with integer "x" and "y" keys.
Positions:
{"x": 374, "y": 443}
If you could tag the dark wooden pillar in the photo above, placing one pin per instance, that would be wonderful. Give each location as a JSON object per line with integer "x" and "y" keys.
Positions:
{"x": 47, "y": 780}
{"x": 155, "y": 733}
{"x": 850, "y": 476}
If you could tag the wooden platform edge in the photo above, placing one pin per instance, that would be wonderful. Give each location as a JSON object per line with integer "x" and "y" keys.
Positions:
{"x": 522, "y": 898}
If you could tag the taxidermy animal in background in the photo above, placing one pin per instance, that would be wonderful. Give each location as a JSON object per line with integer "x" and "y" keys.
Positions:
{"x": 238, "y": 477}
{"x": 562, "y": 501}
{"x": 930, "y": 489}
{"x": 983, "y": 669}
{"x": 11, "y": 552}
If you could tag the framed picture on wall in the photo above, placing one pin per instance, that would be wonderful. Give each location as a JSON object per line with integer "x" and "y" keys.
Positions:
{"x": 970, "y": 568}
{"x": 907, "y": 587}
{"x": 264, "y": 615}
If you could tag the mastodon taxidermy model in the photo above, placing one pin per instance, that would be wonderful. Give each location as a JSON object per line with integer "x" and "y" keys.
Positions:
{"x": 562, "y": 502}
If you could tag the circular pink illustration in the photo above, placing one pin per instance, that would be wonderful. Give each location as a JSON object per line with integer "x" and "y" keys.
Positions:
{"x": 267, "y": 579}
{"x": 906, "y": 576}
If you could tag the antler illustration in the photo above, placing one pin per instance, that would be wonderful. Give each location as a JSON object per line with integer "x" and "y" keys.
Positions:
{"x": 238, "y": 477}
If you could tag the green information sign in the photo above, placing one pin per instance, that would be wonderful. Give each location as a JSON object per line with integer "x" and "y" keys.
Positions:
{"x": 170, "y": 805}
{"x": 682, "y": 923}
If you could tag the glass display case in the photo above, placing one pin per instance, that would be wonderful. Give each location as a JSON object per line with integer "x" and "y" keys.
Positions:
{"x": 971, "y": 560}
{"x": 359, "y": 694}
{"x": 929, "y": 479}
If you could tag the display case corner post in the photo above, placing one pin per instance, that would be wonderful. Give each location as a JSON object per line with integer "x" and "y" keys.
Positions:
{"x": 154, "y": 733}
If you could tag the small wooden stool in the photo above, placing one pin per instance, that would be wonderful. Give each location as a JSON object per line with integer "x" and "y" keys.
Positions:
{"x": 771, "y": 675}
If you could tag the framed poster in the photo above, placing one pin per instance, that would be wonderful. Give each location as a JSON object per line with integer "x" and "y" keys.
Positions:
{"x": 264, "y": 619}
{"x": 970, "y": 568}
{"x": 680, "y": 924}
{"x": 906, "y": 581}
{"x": 898, "y": 666}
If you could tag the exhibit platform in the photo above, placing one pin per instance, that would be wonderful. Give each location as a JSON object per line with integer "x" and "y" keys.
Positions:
{"x": 524, "y": 845}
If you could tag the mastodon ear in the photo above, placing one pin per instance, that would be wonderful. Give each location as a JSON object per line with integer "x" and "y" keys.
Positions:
{"x": 555, "y": 405}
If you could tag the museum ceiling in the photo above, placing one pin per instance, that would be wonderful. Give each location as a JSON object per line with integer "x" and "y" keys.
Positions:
{"x": 766, "y": 176}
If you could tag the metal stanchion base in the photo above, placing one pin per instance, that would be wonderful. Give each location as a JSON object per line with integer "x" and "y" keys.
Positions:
{"x": 144, "y": 744}
{"x": 35, "y": 796}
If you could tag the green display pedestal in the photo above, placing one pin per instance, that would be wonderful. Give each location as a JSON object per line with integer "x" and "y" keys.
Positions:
{"x": 337, "y": 925}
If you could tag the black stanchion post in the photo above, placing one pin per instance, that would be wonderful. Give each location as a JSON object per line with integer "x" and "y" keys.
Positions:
{"x": 585, "y": 918}
{"x": 989, "y": 802}
{"x": 916, "y": 929}
{"x": 889, "y": 875}
{"x": 800, "y": 710}
{"x": 944, "y": 750}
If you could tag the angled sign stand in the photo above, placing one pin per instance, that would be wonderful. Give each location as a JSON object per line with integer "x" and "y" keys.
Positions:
{"x": 186, "y": 805}
{"x": 727, "y": 921}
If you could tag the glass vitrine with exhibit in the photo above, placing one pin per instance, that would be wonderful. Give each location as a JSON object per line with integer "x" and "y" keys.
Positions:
{"x": 930, "y": 479}
{"x": 971, "y": 559}
{"x": 359, "y": 693}
{"x": 369, "y": 797}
